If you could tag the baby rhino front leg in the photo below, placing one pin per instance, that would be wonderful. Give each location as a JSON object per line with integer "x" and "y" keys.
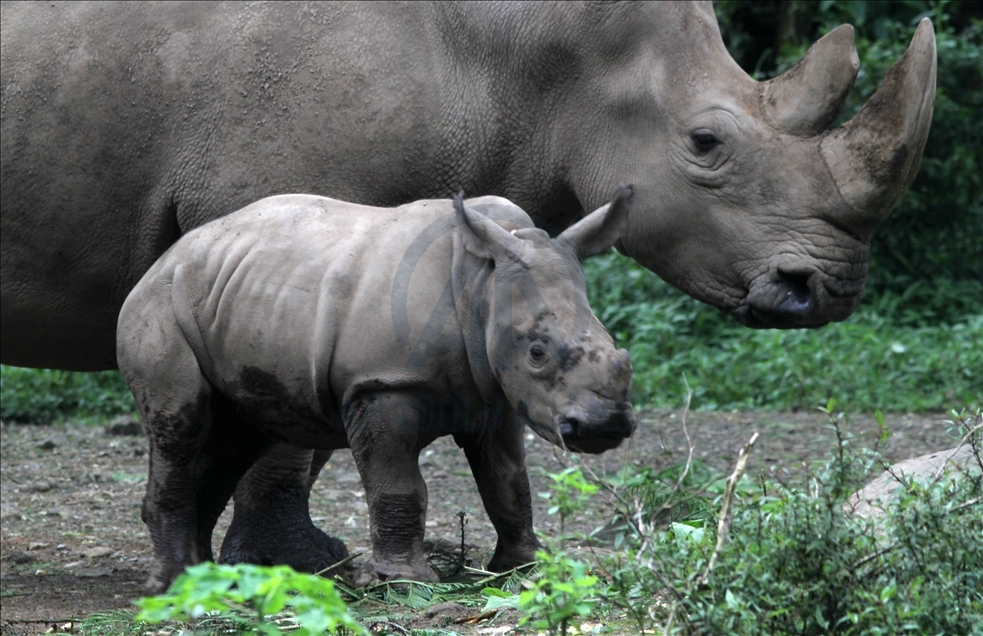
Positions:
{"x": 384, "y": 433}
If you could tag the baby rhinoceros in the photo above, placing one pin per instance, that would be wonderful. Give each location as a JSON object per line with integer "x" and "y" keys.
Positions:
{"x": 330, "y": 325}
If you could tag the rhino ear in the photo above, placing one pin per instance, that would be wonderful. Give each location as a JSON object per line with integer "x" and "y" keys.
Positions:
{"x": 487, "y": 239}
{"x": 599, "y": 230}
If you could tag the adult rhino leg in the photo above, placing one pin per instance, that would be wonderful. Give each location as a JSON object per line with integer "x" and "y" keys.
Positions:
{"x": 384, "y": 434}
{"x": 232, "y": 448}
{"x": 498, "y": 462}
{"x": 271, "y": 521}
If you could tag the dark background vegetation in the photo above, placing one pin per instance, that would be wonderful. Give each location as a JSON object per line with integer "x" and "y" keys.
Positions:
{"x": 914, "y": 344}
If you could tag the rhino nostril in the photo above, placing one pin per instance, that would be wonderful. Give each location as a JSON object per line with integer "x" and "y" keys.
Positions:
{"x": 569, "y": 426}
{"x": 795, "y": 290}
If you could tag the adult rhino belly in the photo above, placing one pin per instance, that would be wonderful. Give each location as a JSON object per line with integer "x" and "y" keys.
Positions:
{"x": 64, "y": 275}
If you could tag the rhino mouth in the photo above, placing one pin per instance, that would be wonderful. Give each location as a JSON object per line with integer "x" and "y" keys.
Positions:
{"x": 791, "y": 300}
{"x": 596, "y": 435}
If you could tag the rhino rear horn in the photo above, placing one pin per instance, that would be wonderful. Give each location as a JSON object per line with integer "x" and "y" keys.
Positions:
{"x": 599, "y": 230}
{"x": 805, "y": 99}
{"x": 486, "y": 238}
{"x": 874, "y": 157}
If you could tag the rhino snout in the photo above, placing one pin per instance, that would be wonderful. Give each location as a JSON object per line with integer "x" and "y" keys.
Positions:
{"x": 791, "y": 298}
{"x": 602, "y": 426}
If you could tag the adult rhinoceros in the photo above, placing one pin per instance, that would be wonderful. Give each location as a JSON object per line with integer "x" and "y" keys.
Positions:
{"x": 126, "y": 125}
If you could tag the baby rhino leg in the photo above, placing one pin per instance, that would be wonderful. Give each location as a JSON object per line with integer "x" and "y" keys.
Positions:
{"x": 383, "y": 430}
{"x": 498, "y": 462}
{"x": 176, "y": 403}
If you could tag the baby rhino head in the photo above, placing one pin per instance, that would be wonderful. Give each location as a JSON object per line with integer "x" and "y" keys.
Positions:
{"x": 557, "y": 364}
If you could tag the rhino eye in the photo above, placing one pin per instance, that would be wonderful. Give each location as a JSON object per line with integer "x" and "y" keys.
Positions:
{"x": 537, "y": 354}
{"x": 704, "y": 140}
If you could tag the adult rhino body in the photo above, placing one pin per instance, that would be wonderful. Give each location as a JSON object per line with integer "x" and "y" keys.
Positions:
{"x": 296, "y": 317}
{"x": 127, "y": 125}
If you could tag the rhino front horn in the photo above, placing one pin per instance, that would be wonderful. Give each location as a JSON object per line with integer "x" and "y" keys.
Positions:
{"x": 874, "y": 157}
{"x": 805, "y": 99}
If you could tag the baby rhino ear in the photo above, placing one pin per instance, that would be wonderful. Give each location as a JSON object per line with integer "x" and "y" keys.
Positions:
{"x": 485, "y": 238}
{"x": 598, "y": 231}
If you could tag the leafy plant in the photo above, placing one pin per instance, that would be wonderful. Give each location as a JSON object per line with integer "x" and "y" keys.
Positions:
{"x": 43, "y": 395}
{"x": 568, "y": 494}
{"x": 798, "y": 561}
{"x": 562, "y": 592}
{"x": 248, "y": 596}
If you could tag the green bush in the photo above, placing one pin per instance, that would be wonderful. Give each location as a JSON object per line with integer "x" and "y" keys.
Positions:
{"x": 789, "y": 559}
{"x": 40, "y": 396}
{"x": 798, "y": 562}
{"x": 247, "y": 597}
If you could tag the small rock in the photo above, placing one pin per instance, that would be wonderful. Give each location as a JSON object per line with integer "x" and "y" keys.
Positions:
{"x": 19, "y": 556}
{"x": 48, "y": 444}
{"x": 124, "y": 425}
{"x": 94, "y": 553}
{"x": 40, "y": 486}
{"x": 871, "y": 500}
{"x": 452, "y": 609}
{"x": 92, "y": 573}
{"x": 34, "y": 545}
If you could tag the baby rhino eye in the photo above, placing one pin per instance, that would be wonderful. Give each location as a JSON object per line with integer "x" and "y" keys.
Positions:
{"x": 704, "y": 139}
{"x": 537, "y": 354}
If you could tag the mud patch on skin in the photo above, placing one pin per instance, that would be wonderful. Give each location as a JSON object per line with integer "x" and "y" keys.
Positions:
{"x": 568, "y": 357}
{"x": 264, "y": 400}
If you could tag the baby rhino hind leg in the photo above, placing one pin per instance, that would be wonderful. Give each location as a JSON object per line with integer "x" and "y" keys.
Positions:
{"x": 175, "y": 401}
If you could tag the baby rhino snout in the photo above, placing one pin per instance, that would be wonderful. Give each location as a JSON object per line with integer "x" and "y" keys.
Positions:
{"x": 599, "y": 425}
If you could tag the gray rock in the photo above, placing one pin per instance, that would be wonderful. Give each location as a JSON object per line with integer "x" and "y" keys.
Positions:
{"x": 19, "y": 556}
{"x": 872, "y": 499}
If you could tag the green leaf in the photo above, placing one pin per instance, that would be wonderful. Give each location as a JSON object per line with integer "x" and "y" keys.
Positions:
{"x": 509, "y": 601}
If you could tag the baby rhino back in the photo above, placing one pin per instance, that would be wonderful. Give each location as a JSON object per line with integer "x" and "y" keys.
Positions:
{"x": 275, "y": 298}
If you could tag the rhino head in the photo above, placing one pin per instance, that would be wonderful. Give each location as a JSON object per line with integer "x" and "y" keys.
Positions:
{"x": 555, "y": 362}
{"x": 745, "y": 197}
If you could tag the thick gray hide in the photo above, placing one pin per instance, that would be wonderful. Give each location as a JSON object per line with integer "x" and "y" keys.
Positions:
{"x": 127, "y": 125}
{"x": 325, "y": 325}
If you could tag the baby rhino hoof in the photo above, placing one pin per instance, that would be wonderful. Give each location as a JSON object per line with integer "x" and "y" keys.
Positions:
{"x": 161, "y": 577}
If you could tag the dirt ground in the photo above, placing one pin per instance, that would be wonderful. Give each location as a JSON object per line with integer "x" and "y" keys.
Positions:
{"x": 73, "y": 543}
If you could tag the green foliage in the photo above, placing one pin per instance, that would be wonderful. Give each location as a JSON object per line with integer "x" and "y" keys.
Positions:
{"x": 893, "y": 353}
{"x": 562, "y": 589}
{"x": 43, "y": 395}
{"x": 932, "y": 237}
{"x": 797, "y": 560}
{"x": 568, "y": 493}
{"x": 562, "y": 592}
{"x": 248, "y": 595}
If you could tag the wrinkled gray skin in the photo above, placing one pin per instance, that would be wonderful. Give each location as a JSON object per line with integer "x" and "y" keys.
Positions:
{"x": 125, "y": 126}
{"x": 328, "y": 325}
